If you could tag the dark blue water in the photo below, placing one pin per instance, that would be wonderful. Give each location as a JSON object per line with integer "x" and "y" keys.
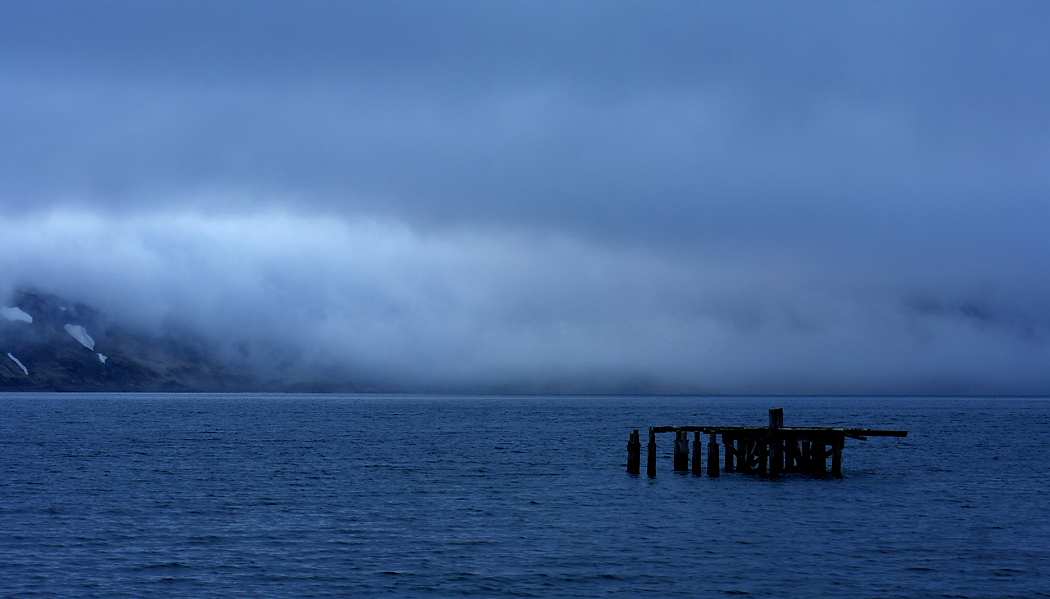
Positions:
{"x": 331, "y": 496}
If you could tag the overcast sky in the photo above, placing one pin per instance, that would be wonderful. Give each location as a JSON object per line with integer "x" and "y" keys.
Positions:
{"x": 736, "y": 197}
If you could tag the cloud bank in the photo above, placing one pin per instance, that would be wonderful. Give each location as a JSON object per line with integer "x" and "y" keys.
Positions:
{"x": 392, "y": 308}
{"x": 595, "y": 196}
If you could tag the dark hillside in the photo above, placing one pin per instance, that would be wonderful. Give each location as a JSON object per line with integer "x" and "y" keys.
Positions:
{"x": 119, "y": 360}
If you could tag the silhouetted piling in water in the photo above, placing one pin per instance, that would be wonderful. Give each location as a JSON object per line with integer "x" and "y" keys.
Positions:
{"x": 681, "y": 451}
{"x": 792, "y": 456}
{"x": 762, "y": 451}
{"x": 650, "y": 467}
{"x": 836, "y": 456}
{"x": 818, "y": 456}
{"x": 712, "y": 456}
{"x": 634, "y": 453}
{"x": 743, "y": 455}
{"x": 728, "y": 442}
{"x": 697, "y": 451}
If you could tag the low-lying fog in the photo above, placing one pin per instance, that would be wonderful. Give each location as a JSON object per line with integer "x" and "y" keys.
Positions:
{"x": 542, "y": 196}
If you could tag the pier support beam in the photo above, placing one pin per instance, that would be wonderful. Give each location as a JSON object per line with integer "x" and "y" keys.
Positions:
{"x": 792, "y": 455}
{"x": 836, "y": 456}
{"x": 681, "y": 451}
{"x": 712, "y": 456}
{"x": 743, "y": 455}
{"x": 697, "y": 450}
{"x": 650, "y": 466}
{"x": 762, "y": 453}
{"x": 818, "y": 456}
{"x": 634, "y": 453}
{"x": 728, "y": 442}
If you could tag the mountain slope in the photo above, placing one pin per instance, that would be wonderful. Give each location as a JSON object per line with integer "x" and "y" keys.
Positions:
{"x": 49, "y": 344}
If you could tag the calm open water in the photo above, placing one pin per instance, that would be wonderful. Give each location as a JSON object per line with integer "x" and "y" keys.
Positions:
{"x": 105, "y": 495}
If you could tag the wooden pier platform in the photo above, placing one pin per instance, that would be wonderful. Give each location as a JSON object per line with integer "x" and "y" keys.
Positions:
{"x": 762, "y": 450}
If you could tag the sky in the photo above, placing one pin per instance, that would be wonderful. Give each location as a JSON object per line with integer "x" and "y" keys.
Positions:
{"x": 577, "y": 197}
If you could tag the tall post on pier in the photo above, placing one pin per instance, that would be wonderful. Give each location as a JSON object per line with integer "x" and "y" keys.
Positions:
{"x": 776, "y": 459}
{"x": 650, "y": 466}
{"x": 681, "y": 451}
{"x": 697, "y": 450}
{"x": 712, "y": 456}
{"x": 634, "y": 453}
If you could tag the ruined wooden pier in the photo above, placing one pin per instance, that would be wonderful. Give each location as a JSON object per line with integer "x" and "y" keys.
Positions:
{"x": 762, "y": 450}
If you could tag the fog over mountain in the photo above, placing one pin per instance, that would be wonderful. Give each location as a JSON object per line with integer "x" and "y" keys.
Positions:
{"x": 543, "y": 196}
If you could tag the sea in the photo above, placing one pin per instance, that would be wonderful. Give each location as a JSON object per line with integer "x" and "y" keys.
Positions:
{"x": 285, "y": 495}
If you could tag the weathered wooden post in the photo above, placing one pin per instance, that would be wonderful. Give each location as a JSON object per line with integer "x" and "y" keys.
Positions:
{"x": 776, "y": 460}
{"x": 634, "y": 453}
{"x": 762, "y": 453}
{"x": 806, "y": 466}
{"x": 776, "y": 418}
{"x": 712, "y": 456}
{"x": 697, "y": 450}
{"x": 836, "y": 455}
{"x": 752, "y": 456}
{"x": 728, "y": 442}
{"x": 792, "y": 455}
{"x": 743, "y": 455}
{"x": 650, "y": 467}
{"x": 818, "y": 456}
{"x": 681, "y": 451}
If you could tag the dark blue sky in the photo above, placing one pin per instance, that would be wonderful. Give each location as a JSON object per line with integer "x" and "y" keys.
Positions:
{"x": 734, "y": 197}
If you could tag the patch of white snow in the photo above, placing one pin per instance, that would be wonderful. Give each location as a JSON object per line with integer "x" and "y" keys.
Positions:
{"x": 20, "y": 365}
{"x": 16, "y": 314}
{"x": 80, "y": 334}
{"x": 102, "y": 358}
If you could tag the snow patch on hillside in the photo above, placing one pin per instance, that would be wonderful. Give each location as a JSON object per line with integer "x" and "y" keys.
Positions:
{"x": 80, "y": 334}
{"x": 102, "y": 358}
{"x": 20, "y": 365}
{"x": 14, "y": 314}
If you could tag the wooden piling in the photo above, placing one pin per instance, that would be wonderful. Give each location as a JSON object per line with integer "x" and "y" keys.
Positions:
{"x": 697, "y": 450}
{"x": 712, "y": 456}
{"x": 762, "y": 453}
{"x": 836, "y": 456}
{"x": 818, "y": 455}
{"x": 776, "y": 418}
{"x": 743, "y": 455}
{"x": 727, "y": 440}
{"x": 776, "y": 460}
{"x": 792, "y": 455}
{"x": 634, "y": 453}
{"x": 681, "y": 451}
{"x": 650, "y": 467}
